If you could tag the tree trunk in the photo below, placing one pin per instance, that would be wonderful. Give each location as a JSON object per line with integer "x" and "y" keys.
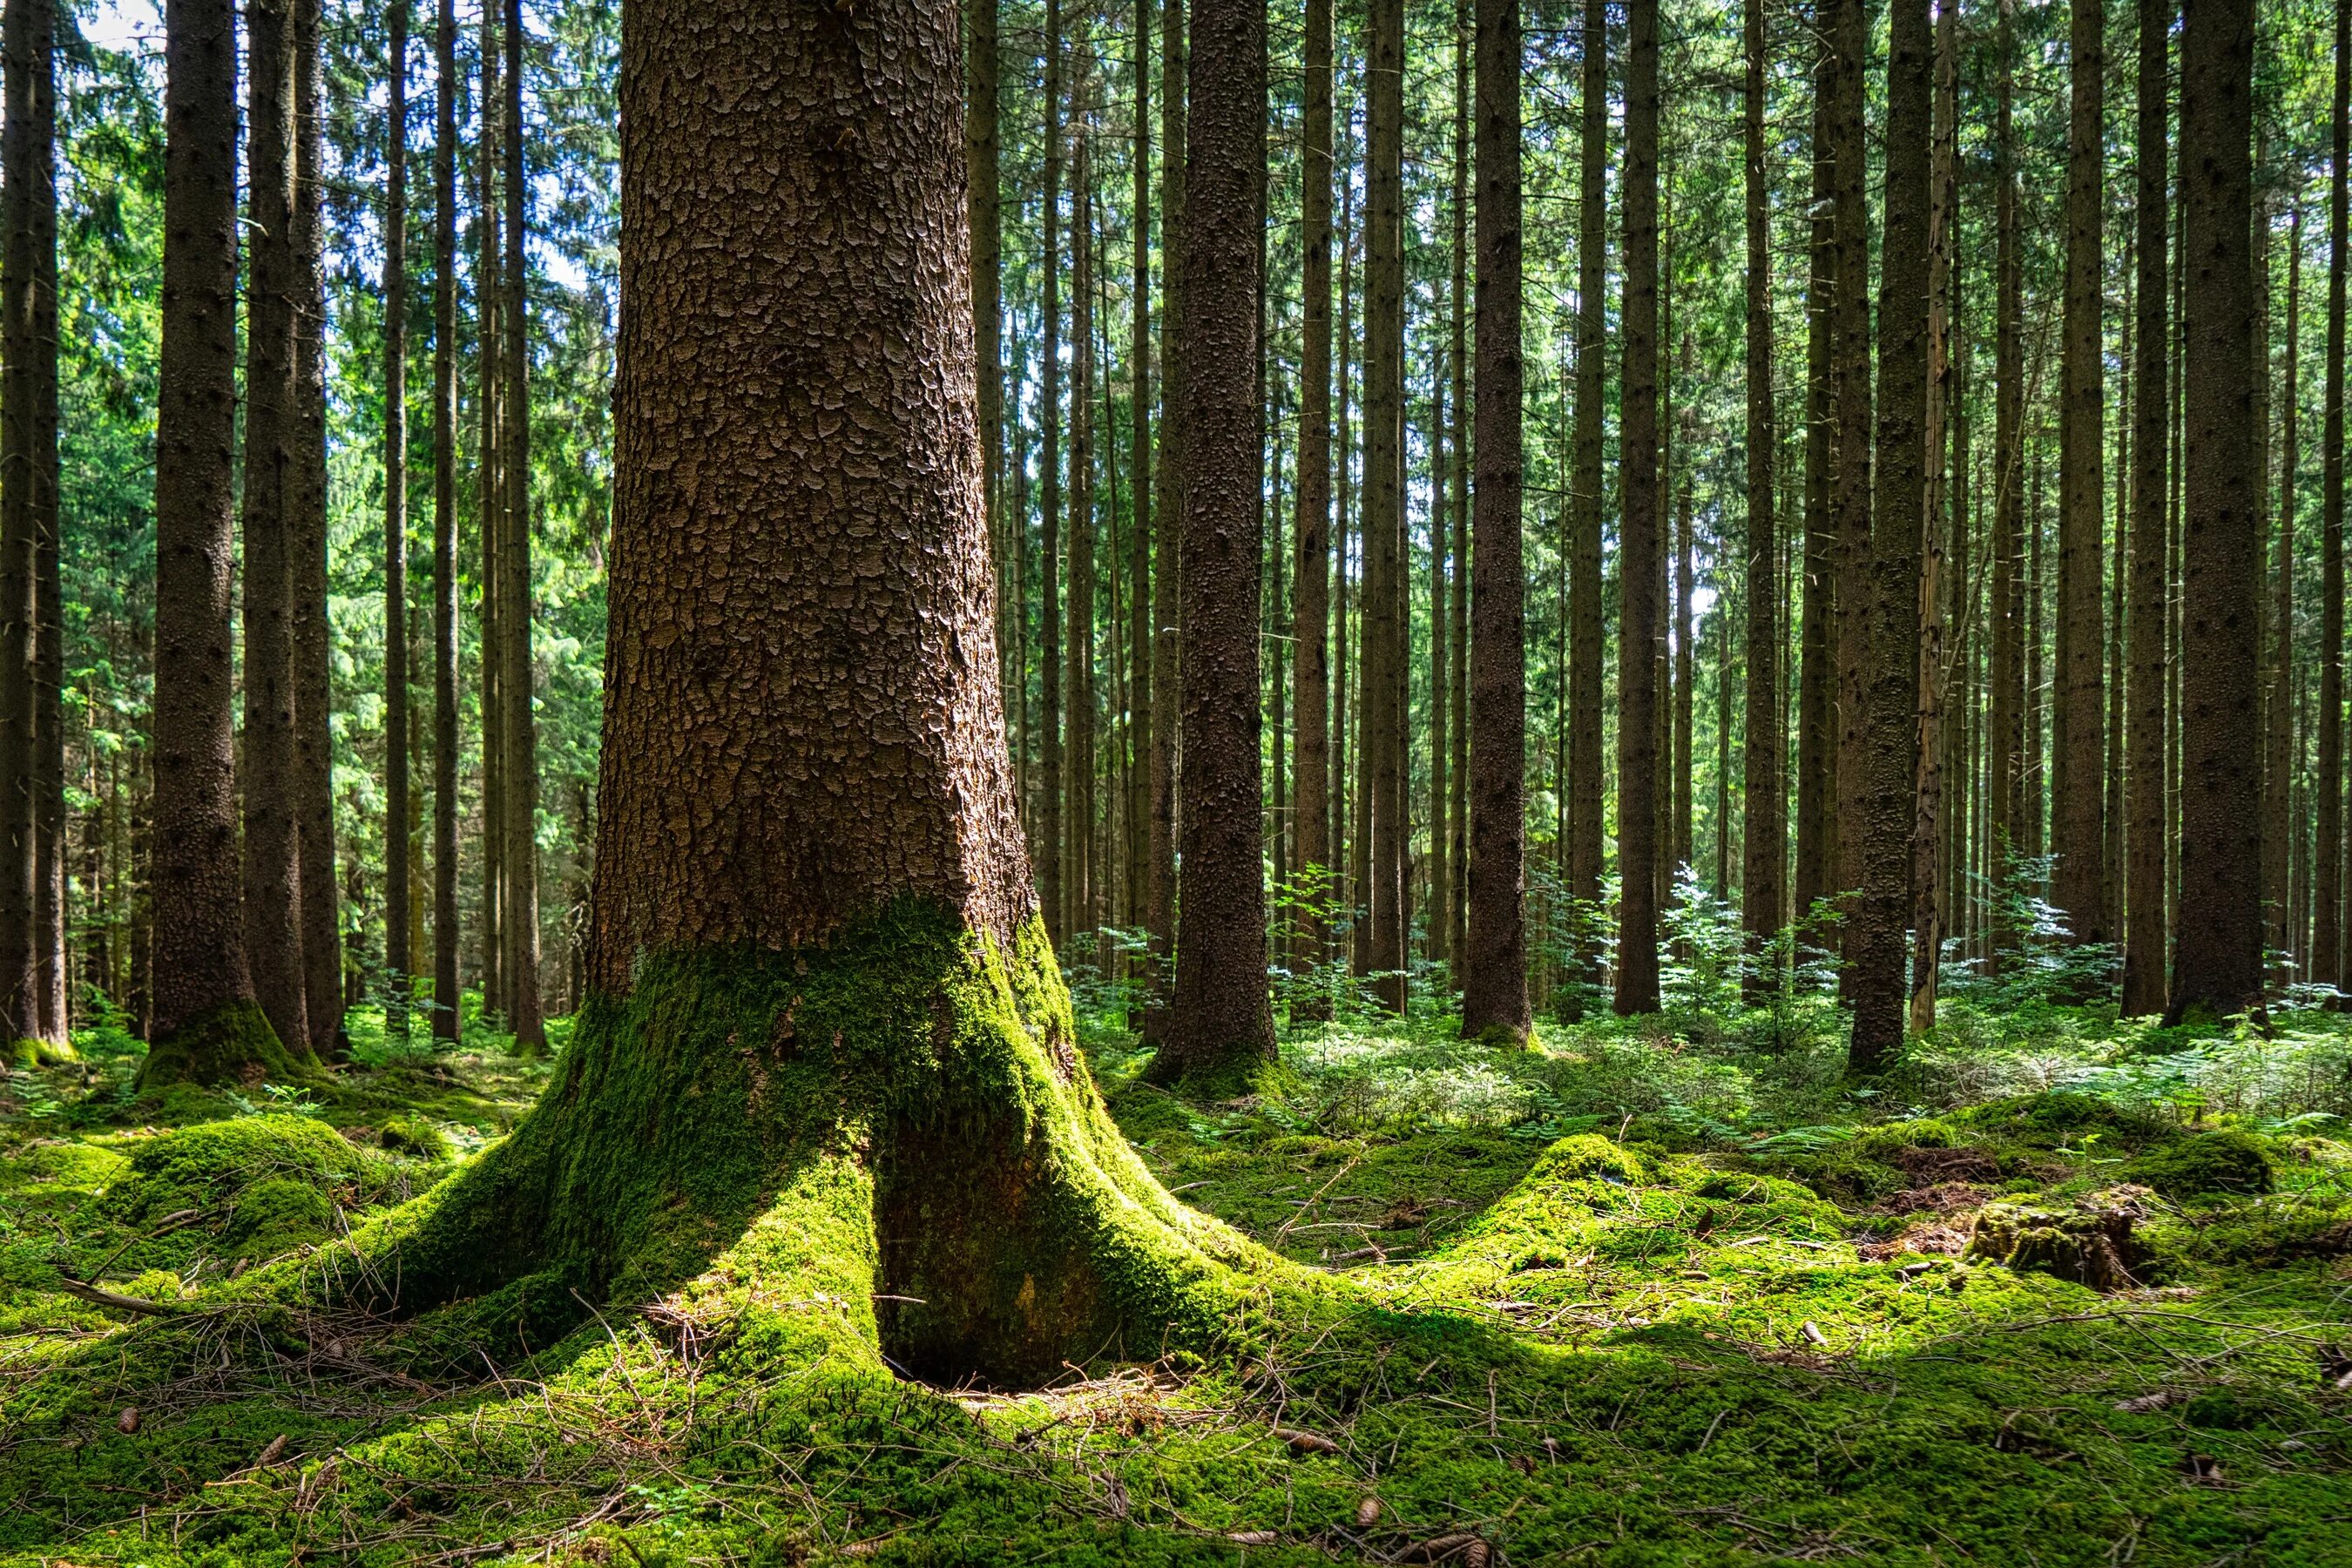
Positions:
{"x": 2327, "y": 842}
{"x": 1052, "y": 872}
{"x": 1817, "y": 847}
{"x": 445, "y": 527}
{"x": 1441, "y": 656}
{"x": 983, "y": 208}
{"x": 2278, "y": 703}
{"x": 28, "y": 510}
{"x": 1167, "y": 543}
{"x": 519, "y": 768}
{"x": 314, "y": 793}
{"x": 1638, "y": 554}
{"x": 2078, "y": 742}
{"x": 395, "y": 529}
{"x": 845, "y": 936}
{"x": 2218, "y": 961}
{"x": 490, "y": 477}
{"x": 1223, "y": 1027}
{"x": 273, "y": 885}
{"x": 1586, "y": 650}
{"x": 1495, "y": 965}
{"x": 1764, "y": 828}
{"x": 203, "y": 1022}
{"x": 2004, "y": 762}
{"x": 1928, "y": 890}
{"x": 1850, "y": 487}
{"x": 1454, "y": 821}
{"x": 1875, "y": 946}
{"x": 1383, "y": 663}
{"x": 1079, "y": 890}
{"x": 1137, "y": 804}
{"x": 1311, "y": 616}
{"x": 1686, "y": 652}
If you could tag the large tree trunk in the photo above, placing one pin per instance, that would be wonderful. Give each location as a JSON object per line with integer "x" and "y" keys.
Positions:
{"x": 1638, "y": 551}
{"x": 1850, "y": 482}
{"x": 1875, "y": 946}
{"x": 2218, "y": 959}
{"x": 1764, "y": 833}
{"x": 204, "y": 1023}
{"x": 983, "y": 146}
{"x": 2327, "y": 842}
{"x": 1455, "y": 823}
{"x": 822, "y": 1016}
{"x": 314, "y": 746}
{"x": 273, "y": 886}
{"x": 1222, "y": 1027}
{"x": 1929, "y": 891}
{"x": 395, "y": 529}
{"x": 1495, "y": 966}
{"x": 520, "y": 762}
{"x": 1586, "y": 651}
{"x": 445, "y": 527}
{"x": 1380, "y": 776}
{"x": 1817, "y": 848}
{"x": 1311, "y": 615}
{"x": 2078, "y": 743}
{"x": 1167, "y": 544}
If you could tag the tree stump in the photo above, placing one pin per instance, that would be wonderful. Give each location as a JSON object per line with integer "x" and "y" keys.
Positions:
{"x": 2089, "y": 1241}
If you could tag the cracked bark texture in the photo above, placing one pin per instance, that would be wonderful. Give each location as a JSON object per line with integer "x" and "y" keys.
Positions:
{"x": 803, "y": 716}
{"x": 198, "y": 956}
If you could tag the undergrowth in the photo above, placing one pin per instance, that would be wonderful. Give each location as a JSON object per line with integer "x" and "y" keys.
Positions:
{"x": 1662, "y": 1290}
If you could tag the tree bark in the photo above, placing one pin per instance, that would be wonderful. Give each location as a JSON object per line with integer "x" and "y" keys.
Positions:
{"x": 314, "y": 746}
{"x": 520, "y": 763}
{"x": 1586, "y": 653}
{"x": 1311, "y": 615}
{"x": 1381, "y": 774}
{"x": 445, "y": 997}
{"x": 1850, "y": 487}
{"x": 1638, "y": 554}
{"x": 1167, "y": 542}
{"x": 2278, "y": 702}
{"x": 1052, "y": 873}
{"x": 395, "y": 527}
{"x": 2218, "y": 959}
{"x": 273, "y": 883}
{"x": 1080, "y": 761}
{"x": 1928, "y": 890}
{"x": 2327, "y": 842}
{"x": 2004, "y": 761}
{"x": 1137, "y": 804}
{"x": 28, "y": 513}
{"x": 2078, "y": 741}
{"x": 983, "y": 145}
{"x": 1764, "y": 828}
{"x": 1224, "y": 1026}
{"x": 1817, "y": 847}
{"x": 1454, "y": 821}
{"x": 1495, "y": 966}
{"x": 490, "y": 479}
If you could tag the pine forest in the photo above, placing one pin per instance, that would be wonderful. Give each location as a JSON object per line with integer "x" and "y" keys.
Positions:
{"x": 1103, "y": 782}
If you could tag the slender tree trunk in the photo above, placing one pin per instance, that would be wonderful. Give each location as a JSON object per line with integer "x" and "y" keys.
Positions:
{"x": 1875, "y": 948}
{"x": 1310, "y": 647}
{"x": 2078, "y": 711}
{"x": 2004, "y": 762}
{"x": 1494, "y": 964}
{"x": 1686, "y": 652}
{"x": 1078, "y": 889}
{"x": 1817, "y": 847}
{"x": 2278, "y": 715}
{"x": 273, "y": 885}
{"x": 202, "y": 1017}
{"x": 444, "y": 526}
{"x": 1441, "y": 656}
{"x": 395, "y": 528}
{"x": 520, "y": 763}
{"x": 2218, "y": 961}
{"x": 1168, "y": 543}
{"x": 1638, "y": 554}
{"x": 1052, "y": 872}
{"x": 489, "y": 475}
{"x": 1586, "y": 650}
{"x": 1929, "y": 891}
{"x": 1138, "y": 456}
{"x": 1764, "y": 828}
{"x": 2037, "y": 692}
{"x": 1383, "y": 663}
{"x": 2328, "y": 844}
{"x": 1454, "y": 822}
{"x": 1849, "y": 489}
{"x": 28, "y": 509}
{"x": 1224, "y": 1026}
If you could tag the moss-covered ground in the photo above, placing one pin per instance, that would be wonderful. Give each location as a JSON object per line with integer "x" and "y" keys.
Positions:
{"x": 1660, "y": 1293}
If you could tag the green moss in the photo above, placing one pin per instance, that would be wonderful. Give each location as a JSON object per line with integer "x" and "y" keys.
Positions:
{"x": 2225, "y": 1162}
{"x": 229, "y": 1045}
{"x": 39, "y": 1053}
{"x": 414, "y": 1135}
{"x": 2058, "y": 1120}
{"x": 1884, "y": 1141}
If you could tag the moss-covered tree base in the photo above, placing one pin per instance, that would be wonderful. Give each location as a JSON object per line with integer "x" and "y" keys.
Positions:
{"x": 31, "y": 1051}
{"x": 896, "y": 1125}
{"x": 228, "y": 1045}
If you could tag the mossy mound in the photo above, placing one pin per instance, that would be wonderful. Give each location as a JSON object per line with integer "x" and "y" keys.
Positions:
{"x": 2057, "y": 1120}
{"x": 414, "y": 1136}
{"x": 1886, "y": 1141}
{"x": 228, "y": 1045}
{"x": 2227, "y": 1161}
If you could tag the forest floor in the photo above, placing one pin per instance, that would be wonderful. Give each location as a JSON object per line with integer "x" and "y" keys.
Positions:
{"x": 1663, "y": 1292}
